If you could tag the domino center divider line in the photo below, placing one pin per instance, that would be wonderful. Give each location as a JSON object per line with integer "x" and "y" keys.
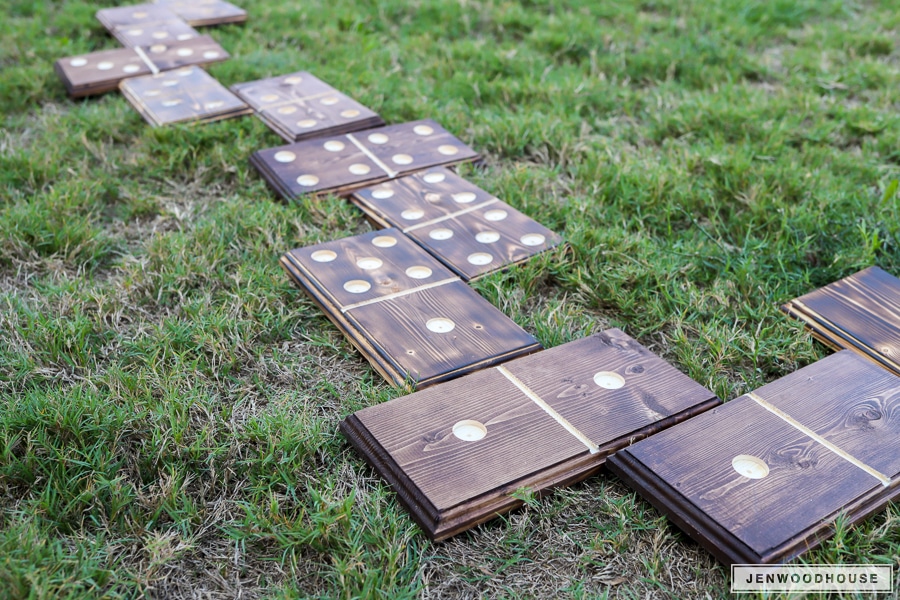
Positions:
{"x": 884, "y": 479}
{"x": 399, "y": 294}
{"x": 153, "y": 68}
{"x": 390, "y": 173}
{"x": 548, "y": 409}
{"x": 450, "y": 216}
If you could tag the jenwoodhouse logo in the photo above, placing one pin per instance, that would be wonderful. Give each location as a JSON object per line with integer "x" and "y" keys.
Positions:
{"x": 812, "y": 578}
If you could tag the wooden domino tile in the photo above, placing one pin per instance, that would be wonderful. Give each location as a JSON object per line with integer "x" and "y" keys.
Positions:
{"x": 205, "y": 13}
{"x": 339, "y": 164}
{"x": 101, "y": 72}
{"x": 182, "y": 95}
{"x": 145, "y": 25}
{"x": 457, "y": 452}
{"x": 860, "y": 313}
{"x": 463, "y": 226}
{"x": 298, "y": 106}
{"x": 763, "y": 478}
{"x": 411, "y": 317}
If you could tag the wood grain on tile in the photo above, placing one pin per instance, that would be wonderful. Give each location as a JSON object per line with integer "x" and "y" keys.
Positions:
{"x": 860, "y": 313}
{"x": 409, "y": 315}
{"x": 468, "y": 229}
{"x": 457, "y": 453}
{"x": 763, "y": 478}
{"x": 299, "y": 106}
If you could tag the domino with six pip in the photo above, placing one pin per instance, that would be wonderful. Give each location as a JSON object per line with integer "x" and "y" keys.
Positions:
{"x": 462, "y": 225}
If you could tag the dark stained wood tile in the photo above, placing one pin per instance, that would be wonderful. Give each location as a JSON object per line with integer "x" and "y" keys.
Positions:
{"x": 201, "y": 50}
{"x": 799, "y": 492}
{"x": 763, "y": 478}
{"x": 205, "y": 13}
{"x": 306, "y": 119}
{"x": 860, "y": 414}
{"x": 268, "y": 93}
{"x": 609, "y": 386}
{"x": 145, "y": 25}
{"x": 441, "y": 332}
{"x": 298, "y": 106}
{"x": 431, "y": 194}
{"x": 410, "y": 147}
{"x": 860, "y": 312}
{"x": 412, "y": 318}
{"x": 182, "y": 95}
{"x": 100, "y": 72}
{"x": 135, "y": 15}
{"x": 462, "y": 225}
{"x": 320, "y": 165}
{"x": 458, "y": 451}
{"x": 342, "y": 163}
{"x": 485, "y": 240}
{"x": 384, "y": 262}
{"x": 165, "y": 32}
{"x": 417, "y": 432}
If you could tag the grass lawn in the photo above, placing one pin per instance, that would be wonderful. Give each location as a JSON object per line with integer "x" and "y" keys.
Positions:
{"x": 169, "y": 401}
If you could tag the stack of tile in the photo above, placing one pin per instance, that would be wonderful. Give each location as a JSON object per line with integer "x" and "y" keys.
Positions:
{"x": 298, "y": 106}
{"x": 860, "y": 313}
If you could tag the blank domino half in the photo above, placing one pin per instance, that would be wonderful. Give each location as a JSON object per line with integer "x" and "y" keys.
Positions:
{"x": 463, "y": 226}
{"x": 183, "y": 95}
{"x": 298, "y": 106}
{"x": 412, "y": 318}
{"x": 457, "y": 452}
{"x": 763, "y": 478}
{"x": 339, "y": 164}
{"x": 100, "y": 72}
